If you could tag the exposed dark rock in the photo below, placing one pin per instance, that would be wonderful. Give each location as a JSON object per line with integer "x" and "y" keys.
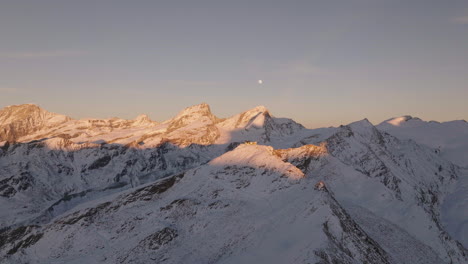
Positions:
{"x": 88, "y": 214}
{"x": 159, "y": 238}
{"x": 20, "y": 237}
{"x": 147, "y": 193}
{"x": 99, "y": 163}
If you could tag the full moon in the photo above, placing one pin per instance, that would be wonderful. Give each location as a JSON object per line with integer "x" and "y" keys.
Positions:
{"x": 260, "y": 81}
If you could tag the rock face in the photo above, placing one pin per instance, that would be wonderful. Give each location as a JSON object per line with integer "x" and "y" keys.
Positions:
{"x": 143, "y": 120}
{"x": 189, "y": 190}
{"x": 20, "y": 120}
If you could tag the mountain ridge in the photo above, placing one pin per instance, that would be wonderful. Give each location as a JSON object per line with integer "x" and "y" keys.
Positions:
{"x": 85, "y": 184}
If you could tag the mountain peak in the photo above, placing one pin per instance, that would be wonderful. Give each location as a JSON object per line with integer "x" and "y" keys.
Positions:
{"x": 255, "y": 117}
{"x": 258, "y": 109}
{"x": 19, "y": 120}
{"x": 398, "y": 121}
{"x": 19, "y": 110}
{"x": 143, "y": 120}
{"x": 15, "y": 113}
{"x": 361, "y": 124}
{"x": 199, "y": 109}
{"x": 260, "y": 119}
{"x": 363, "y": 129}
{"x": 142, "y": 117}
{"x": 200, "y": 112}
{"x": 22, "y": 106}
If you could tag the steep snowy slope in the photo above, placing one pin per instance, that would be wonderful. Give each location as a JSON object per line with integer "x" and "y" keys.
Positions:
{"x": 450, "y": 140}
{"x": 41, "y": 175}
{"x": 243, "y": 207}
{"x": 454, "y": 213}
{"x": 190, "y": 190}
{"x": 78, "y": 160}
{"x": 398, "y": 181}
{"x": 248, "y": 205}
{"x": 415, "y": 178}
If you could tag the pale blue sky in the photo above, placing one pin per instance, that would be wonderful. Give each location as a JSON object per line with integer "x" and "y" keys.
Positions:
{"x": 323, "y": 63}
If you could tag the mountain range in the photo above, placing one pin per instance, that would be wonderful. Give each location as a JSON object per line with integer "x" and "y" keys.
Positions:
{"x": 251, "y": 188}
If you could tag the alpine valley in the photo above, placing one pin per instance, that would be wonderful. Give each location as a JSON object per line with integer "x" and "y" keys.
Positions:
{"x": 251, "y": 188}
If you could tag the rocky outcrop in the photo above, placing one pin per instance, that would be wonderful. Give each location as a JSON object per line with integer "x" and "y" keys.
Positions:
{"x": 20, "y": 120}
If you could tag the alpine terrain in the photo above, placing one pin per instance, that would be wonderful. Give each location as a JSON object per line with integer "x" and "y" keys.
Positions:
{"x": 251, "y": 188}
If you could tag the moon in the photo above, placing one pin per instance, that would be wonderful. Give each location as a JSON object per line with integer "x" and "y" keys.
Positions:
{"x": 260, "y": 81}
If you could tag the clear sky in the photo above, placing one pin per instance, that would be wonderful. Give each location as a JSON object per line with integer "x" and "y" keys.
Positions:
{"x": 322, "y": 63}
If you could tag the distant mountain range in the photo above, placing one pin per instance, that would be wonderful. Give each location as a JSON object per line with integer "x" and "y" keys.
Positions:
{"x": 251, "y": 188}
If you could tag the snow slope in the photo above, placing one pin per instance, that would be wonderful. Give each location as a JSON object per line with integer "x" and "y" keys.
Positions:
{"x": 450, "y": 140}
{"x": 215, "y": 213}
{"x": 79, "y": 159}
{"x": 201, "y": 189}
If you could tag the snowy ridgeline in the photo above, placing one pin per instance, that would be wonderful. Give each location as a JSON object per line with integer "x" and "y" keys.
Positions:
{"x": 251, "y": 188}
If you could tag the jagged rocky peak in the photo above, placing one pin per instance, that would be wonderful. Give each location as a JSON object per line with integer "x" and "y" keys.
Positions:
{"x": 143, "y": 120}
{"x": 200, "y": 112}
{"x": 19, "y": 120}
{"x": 202, "y": 109}
{"x": 12, "y": 113}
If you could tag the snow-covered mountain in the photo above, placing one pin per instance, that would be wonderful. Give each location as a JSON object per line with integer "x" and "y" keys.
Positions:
{"x": 450, "y": 140}
{"x": 21, "y": 120}
{"x": 201, "y": 189}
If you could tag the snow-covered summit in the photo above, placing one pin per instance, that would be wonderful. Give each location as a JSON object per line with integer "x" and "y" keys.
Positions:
{"x": 13, "y": 113}
{"x": 450, "y": 138}
{"x": 255, "y": 117}
{"x": 19, "y": 120}
{"x": 361, "y": 125}
{"x": 257, "y": 123}
{"x": 143, "y": 120}
{"x": 200, "y": 112}
{"x": 402, "y": 120}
